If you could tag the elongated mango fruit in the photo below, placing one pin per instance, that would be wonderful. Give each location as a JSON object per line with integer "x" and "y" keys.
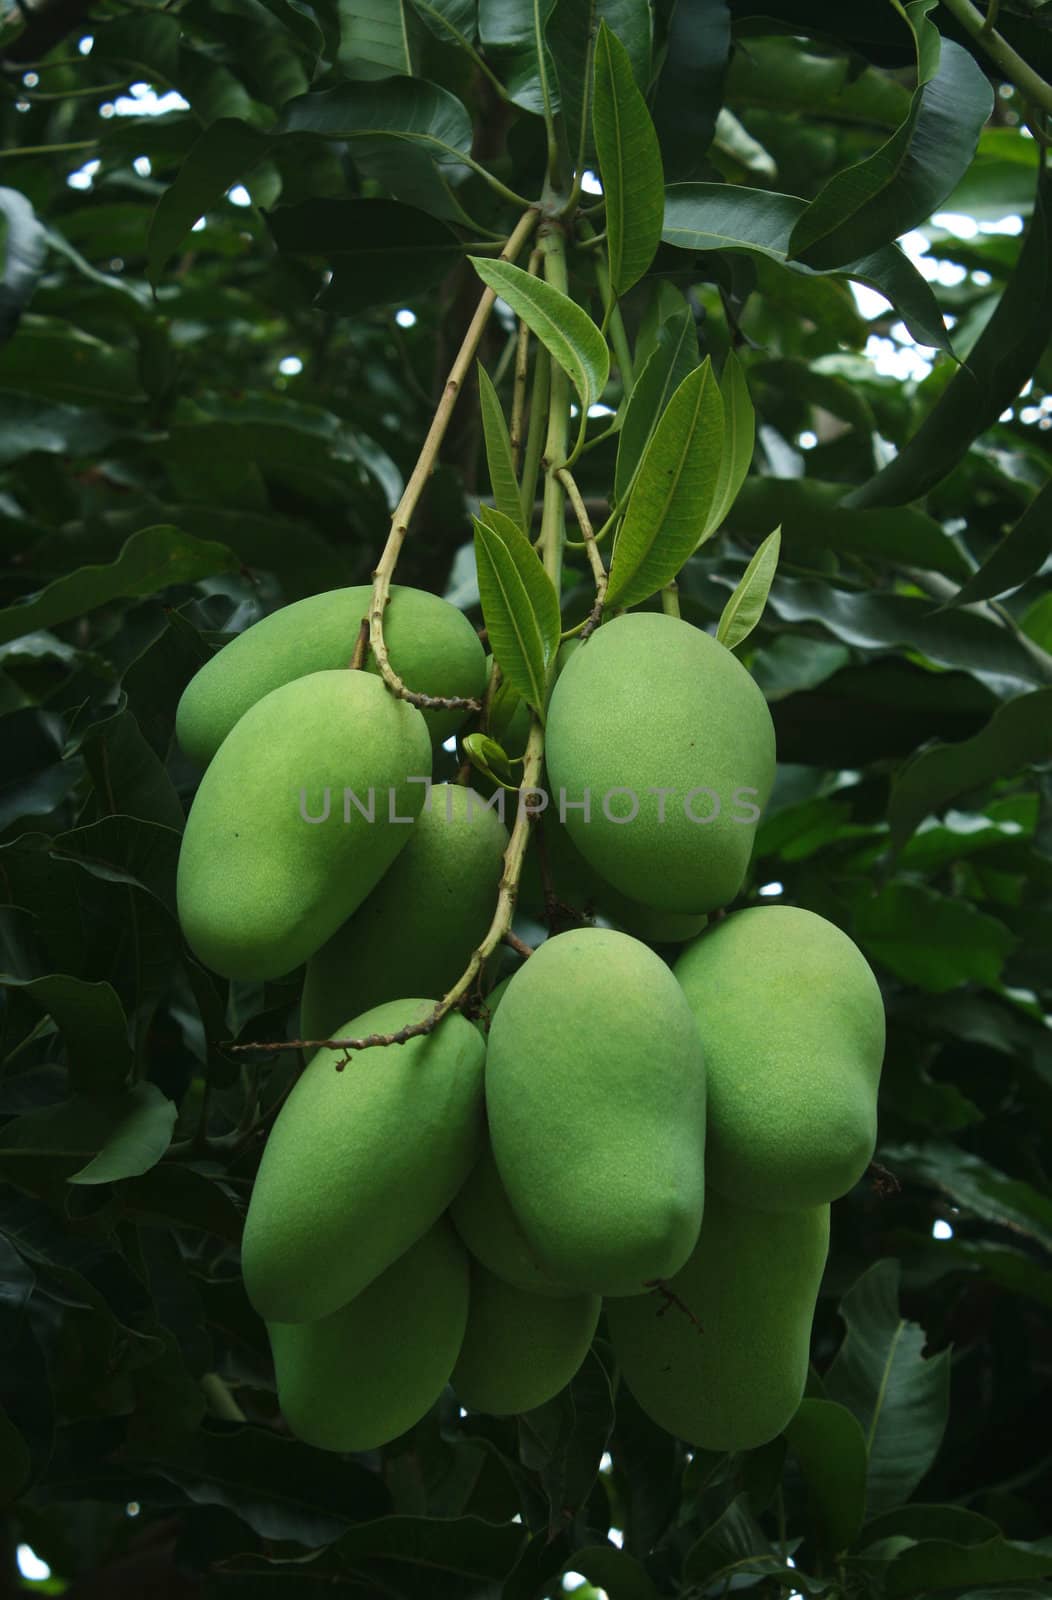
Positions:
{"x": 364, "y": 1374}
{"x": 361, "y": 1162}
{"x": 595, "y": 1090}
{"x": 718, "y": 1356}
{"x": 660, "y": 751}
{"x": 520, "y": 1349}
{"x": 276, "y": 855}
{"x": 792, "y": 1021}
{"x": 418, "y": 928}
{"x": 482, "y": 1215}
{"x": 432, "y": 647}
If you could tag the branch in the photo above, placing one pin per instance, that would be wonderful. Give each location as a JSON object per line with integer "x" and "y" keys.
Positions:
{"x": 1016, "y": 70}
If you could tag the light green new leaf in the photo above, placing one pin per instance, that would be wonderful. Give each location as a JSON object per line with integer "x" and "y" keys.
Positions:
{"x": 566, "y": 331}
{"x": 491, "y": 759}
{"x": 745, "y": 606}
{"x": 498, "y": 453}
{"x": 519, "y": 604}
{"x": 629, "y": 163}
{"x": 739, "y": 440}
{"x": 673, "y": 492}
{"x": 674, "y": 357}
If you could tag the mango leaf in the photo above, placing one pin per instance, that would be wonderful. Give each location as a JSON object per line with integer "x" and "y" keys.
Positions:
{"x": 514, "y": 33}
{"x": 225, "y": 152}
{"x": 931, "y": 939}
{"x": 978, "y": 1187}
{"x": 503, "y": 484}
{"x": 934, "y": 1564}
{"x": 614, "y": 1570}
{"x": 739, "y": 439}
{"x": 94, "y": 1028}
{"x": 23, "y": 246}
{"x": 151, "y": 559}
{"x": 491, "y": 759}
{"x": 881, "y": 1376}
{"x": 519, "y": 605}
{"x": 380, "y": 251}
{"x": 689, "y": 90}
{"x": 829, "y": 1443}
{"x": 453, "y": 21}
{"x": 998, "y": 366}
{"x": 563, "y": 327}
{"x": 901, "y": 184}
{"x": 1018, "y": 734}
{"x": 727, "y": 216}
{"x": 629, "y": 164}
{"x": 745, "y": 606}
{"x": 374, "y": 38}
{"x": 735, "y": 1544}
{"x": 1021, "y": 554}
{"x": 88, "y": 1141}
{"x": 673, "y": 358}
{"x": 673, "y": 491}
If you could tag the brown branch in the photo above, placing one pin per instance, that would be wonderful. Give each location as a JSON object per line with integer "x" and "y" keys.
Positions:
{"x": 520, "y": 946}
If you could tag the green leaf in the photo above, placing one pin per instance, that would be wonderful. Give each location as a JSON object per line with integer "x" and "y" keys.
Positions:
{"x": 407, "y": 110}
{"x": 152, "y": 559}
{"x": 453, "y": 21}
{"x": 141, "y": 1133}
{"x": 934, "y": 1564}
{"x": 503, "y": 483}
{"x": 491, "y": 759}
{"x": 673, "y": 492}
{"x": 374, "y": 39}
{"x": 787, "y": 75}
{"x": 94, "y": 1028}
{"x": 23, "y": 246}
{"x": 563, "y": 327}
{"x": 901, "y": 184}
{"x": 900, "y": 1398}
{"x": 629, "y": 163}
{"x": 815, "y": 521}
{"x": 998, "y": 366}
{"x": 1017, "y": 735}
{"x": 726, "y": 216}
{"x": 931, "y": 940}
{"x": 14, "y": 1460}
{"x": 978, "y": 1187}
{"x": 739, "y": 439}
{"x": 607, "y": 1567}
{"x": 380, "y": 251}
{"x": 689, "y": 90}
{"x": 745, "y": 606}
{"x": 519, "y": 605}
{"x": 829, "y": 1443}
{"x": 514, "y": 33}
{"x": 735, "y": 1544}
{"x": 468, "y": 1545}
{"x": 674, "y": 357}
{"x": 224, "y": 154}
{"x": 1020, "y": 555}
{"x": 88, "y": 1140}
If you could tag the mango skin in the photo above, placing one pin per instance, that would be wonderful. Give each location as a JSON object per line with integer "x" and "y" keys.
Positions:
{"x": 483, "y": 1217}
{"x": 792, "y": 1021}
{"x": 360, "y": 1377}
{"x": 418, "y": 928}
{"x": 595, "y": 1092}
{"x": 652, "y": 702}
{"x": 752, "y": 1283}
{"x": 260, "y": 889}
{"x": 520, "y": 1349}
{"x": 360, "y": 1163}
{"x": 432, "y": 646}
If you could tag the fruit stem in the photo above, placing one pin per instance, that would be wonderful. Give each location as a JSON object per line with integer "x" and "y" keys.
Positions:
{"x": 670, "y": 599}
{"x": 595, "y": 560}
{"x": 414, "y": 488}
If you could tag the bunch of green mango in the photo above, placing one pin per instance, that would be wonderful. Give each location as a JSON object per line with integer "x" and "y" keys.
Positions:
{"x": 641, "y": 1129}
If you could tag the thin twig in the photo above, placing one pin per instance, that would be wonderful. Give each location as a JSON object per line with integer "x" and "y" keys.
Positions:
{"x": 595, "y": 560}
{"x": 520, "y": 946}
{"x": 1029, "y": 83}
{"x": 522, "y": 366}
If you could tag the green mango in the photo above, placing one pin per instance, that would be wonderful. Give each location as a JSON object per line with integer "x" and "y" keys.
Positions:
{"x": 595, "y": 1092}
{"x": 418, "y": 928}
{"x": 520, "y": 1349}
{"x": 735, "y": 1381}
{"x": 792, "y": 1022}
{"x": 358, "y": 1378}
{"x": 650, "y": 704}
{"x": 361, "y": 1162}
{"x": 432, "y": 646}
{"x": 483, "y": 1216}
{"x": 275, "y": 856}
